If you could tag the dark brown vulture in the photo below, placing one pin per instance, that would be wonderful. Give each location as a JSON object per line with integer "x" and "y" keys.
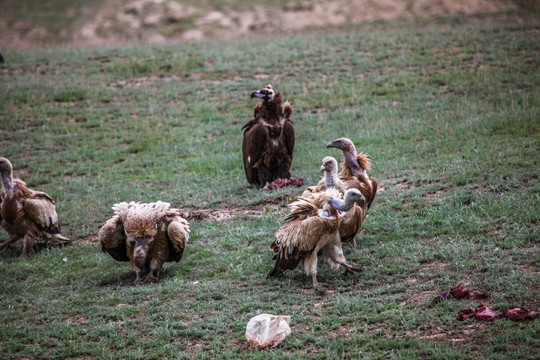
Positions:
{"x": 146, "y": 235}
{"x": 354, "y": 175}
{"x": 26, "y": 213}
{"x": 312, "y": 227}
{"x": 268, "y": 143}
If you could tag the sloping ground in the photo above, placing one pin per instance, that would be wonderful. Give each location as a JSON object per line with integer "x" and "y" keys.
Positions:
{"x": 30, "y": 23}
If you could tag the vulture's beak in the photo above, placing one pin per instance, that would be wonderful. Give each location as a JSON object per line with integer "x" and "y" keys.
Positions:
{"x": 323, "y": 168}
{"x": 330, "y": 144}
{"x": 257, "y": 94}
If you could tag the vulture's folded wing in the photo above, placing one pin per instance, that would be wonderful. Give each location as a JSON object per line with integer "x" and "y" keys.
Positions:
{"x": 178, "y": 232}
{"x": 42, "y": 211}
{"x": 301, "y": 234}
{"x": 113, "y": 240}
{"x": 288, "y": 134}
{"x": 351, "y": 224}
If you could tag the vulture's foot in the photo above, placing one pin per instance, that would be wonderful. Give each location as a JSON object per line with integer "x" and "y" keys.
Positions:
{"x": 149, "y": 278}
{"x": 351, "y": 269}
{"x": 6, "y": 245}
{"x": 354, "y": 243}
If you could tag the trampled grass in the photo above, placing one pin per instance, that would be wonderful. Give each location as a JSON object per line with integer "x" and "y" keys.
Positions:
{"x": 449, "y": 113}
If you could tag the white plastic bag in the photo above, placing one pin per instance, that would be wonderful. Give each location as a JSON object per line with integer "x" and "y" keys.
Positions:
{"x": 267, "y": 330}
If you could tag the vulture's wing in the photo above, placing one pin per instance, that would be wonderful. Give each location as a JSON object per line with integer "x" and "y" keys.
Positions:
{"x": 40, "y": 208}
{"x": 374, "y": 186}
{"x": 351, "y": 224}
{"x": 288, "y": 135}
{"x": 113, "y": 240}
{"x": 295, "y": 240}
{"x": 178, "y": 233}
{"x": 252, "y": 148}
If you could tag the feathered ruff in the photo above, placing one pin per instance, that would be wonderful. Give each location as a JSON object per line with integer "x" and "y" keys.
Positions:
{"x": 164, "y": 227}
{"x": 268, "y": 142}
{"x": 31, "y": 215}
{"x": 360, "y": 179}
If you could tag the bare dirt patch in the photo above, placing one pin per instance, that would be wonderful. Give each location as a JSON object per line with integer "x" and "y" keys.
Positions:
{"x": 454, "y": 335}
{"x": 229, "y": 213}
{"x": 159, "y": 21}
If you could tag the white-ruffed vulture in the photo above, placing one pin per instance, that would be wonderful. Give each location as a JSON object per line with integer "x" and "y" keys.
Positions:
{"x": 146, "y": 235}
{"x": 310, "y": 229}
{"x": 268, "y": 142}
{"x": 26, "y": 213}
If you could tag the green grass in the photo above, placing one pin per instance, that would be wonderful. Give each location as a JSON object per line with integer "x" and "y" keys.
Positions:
{"x": 449, "y": 113}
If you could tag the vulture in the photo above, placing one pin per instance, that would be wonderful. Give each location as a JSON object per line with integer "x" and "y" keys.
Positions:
{"x": 146, "y": 235}
{"x": 330, "y": 179}
{"x": 311, "y": 229}
{"x": 26, "y": 213}
{"x": 354, "y": 173}
{"x": 268, "y": 143}
{"x": 354, "y": 176}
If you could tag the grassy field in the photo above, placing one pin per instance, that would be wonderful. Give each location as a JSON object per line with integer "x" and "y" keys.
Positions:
{"x": 449, "y": 112}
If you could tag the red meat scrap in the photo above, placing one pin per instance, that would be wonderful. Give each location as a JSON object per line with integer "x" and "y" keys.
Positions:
{"x": 459, "y": 292}
{"x": 520, "y": 313}
{"x": 482, "y": 312}
{"x": 280, "y": 182}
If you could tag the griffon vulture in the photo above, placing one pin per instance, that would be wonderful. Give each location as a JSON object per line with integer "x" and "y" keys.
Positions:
{"x": 146, "y": 235}
{"x": 354, "y": 175}
{"x": 268, "y": 142}
{"x": 26, "y": 213}
{"x": 330, "y": 179}
{"x": 312, "y": 227}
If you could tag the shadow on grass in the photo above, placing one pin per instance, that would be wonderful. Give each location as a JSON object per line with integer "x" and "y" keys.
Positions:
{"x": 127, "y": 278}
{"x": 124, "y": 278}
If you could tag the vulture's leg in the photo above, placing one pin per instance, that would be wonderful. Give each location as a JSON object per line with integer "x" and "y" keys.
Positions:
{"x": 314, "y": 279}
{"x": 155, "y": 266}
{"x": 138, "y": 271}
{"x": 310, "y": 266}
{"x": 335, "y": 254}
{"x": 29, "y": 241}
{"x": 354, "y": 242}
{"x": 265, "y": 176}
{"x": 283, "y": 171}
{"x": 11, "y": 240}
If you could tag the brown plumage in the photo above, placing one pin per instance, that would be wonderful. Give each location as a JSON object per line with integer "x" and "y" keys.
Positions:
{"x": 146, "y": 235}
{"x": 354, "y": 175}
{"x": 26, "y": 213}
{"x": 268, "y": 143}
{"x": 312, "y": 227}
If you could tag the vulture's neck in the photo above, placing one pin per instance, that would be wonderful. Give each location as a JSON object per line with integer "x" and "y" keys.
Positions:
{"x": 331, "y": 180}
{"x": 343, "y": 205}
{"x": 271, "y": 111}
{"x": 7, "y": 183}
{"x": 351, "y": 159}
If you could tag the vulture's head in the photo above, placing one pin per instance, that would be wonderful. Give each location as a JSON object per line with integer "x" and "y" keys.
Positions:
{"x": 342, "y": 144}
{"x": 352, "y": 196}
{"x": 139, "y": 236}
{"x": 329, "y": 165}
{"x": 5, "y": 166}
{"x": 266, "y": 93}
